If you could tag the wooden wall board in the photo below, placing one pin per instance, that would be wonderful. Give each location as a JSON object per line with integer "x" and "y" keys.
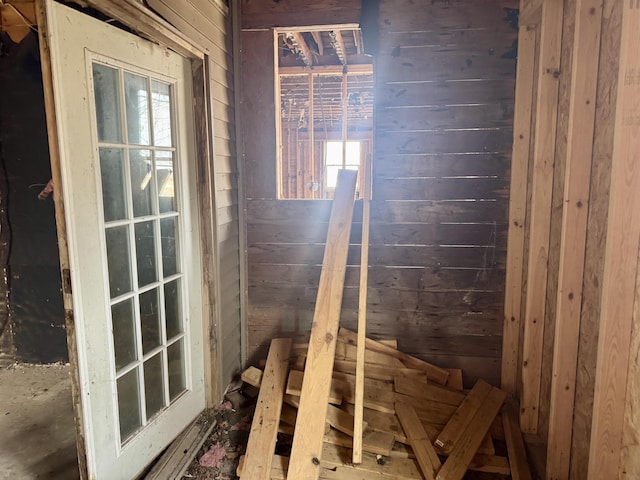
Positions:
{"x": 264, "y": 427}
{"x": 598, "y": 211}
{"x": 440, "y": 188}
{"x": 621, "y": 255}
{"x": 586, "y": 47}
{"x": 447, "y": 141}
{"x": 307, "y": 440}
{"x": 296, "y": 13}
{"x": 517, "y": 208}
{"x": 543, "y": 160}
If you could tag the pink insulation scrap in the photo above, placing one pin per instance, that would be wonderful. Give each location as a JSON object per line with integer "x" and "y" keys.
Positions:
{"x": 213, "y": 457}
{"x": 225, "y": 406}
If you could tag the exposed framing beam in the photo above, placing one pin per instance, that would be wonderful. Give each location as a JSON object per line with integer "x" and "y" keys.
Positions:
{"x": 298, "y": 45}
{"x": 518, "y": 207}
{"x": 542, "y": 186}
{"x": 354, "y": 69}
{"x": 338, "y": 45}
{"x": 582, "y": 110}
{"x": 621, "y": 260}
{"x": 317, "y": 36}
{"x": 357, "y": 40}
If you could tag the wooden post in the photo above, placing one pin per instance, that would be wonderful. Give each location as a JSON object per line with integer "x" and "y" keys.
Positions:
{"x": 311, "y": 130}
{"x": 518, "y": 207}
{"x": 542, "y": 186}
{"x": 584, "y": 81}
{"x": 306, "y": 450}
{"x": 621, "y": 255}
{"x": 365, "y": 184}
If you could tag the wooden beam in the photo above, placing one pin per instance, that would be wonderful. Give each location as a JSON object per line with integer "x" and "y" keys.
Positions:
{"x": 420, "y": 443}
{"x": 317, "y": 36}
{"x": 518, "y": 208}
{"x": 354, "y": 69}
{"x": 466, "y": 447}
{"x": 542, "y": 186}
{"x": 621, "y": 255}
{"x": 298, "y": 45}
{"x": 357, "y": 40}
{"x": 306, "y": 449}
{"x": 338, "y": 45}
{"x": 515, "y": 445}
{"x": 463, "y": 416}
{"x": 530, "y": 12}
{"x": 365, "y": 186}
{"x": 584, "y": 82}
{"x": 434, "y": 373}
{"x": 264, "y": 427}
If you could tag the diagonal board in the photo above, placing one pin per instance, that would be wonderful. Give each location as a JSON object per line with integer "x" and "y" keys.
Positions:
{"x": 307, "y": 439}
{"x": 467, "y": 445}
{"x": 425, "y": 453}
{"x": 264, "y": 428}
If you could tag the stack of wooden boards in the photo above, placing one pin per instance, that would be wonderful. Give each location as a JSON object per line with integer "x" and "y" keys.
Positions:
{"x": 418, "y": 423}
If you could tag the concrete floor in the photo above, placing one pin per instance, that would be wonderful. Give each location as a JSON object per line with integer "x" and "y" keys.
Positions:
{"x": 37, "y": 434}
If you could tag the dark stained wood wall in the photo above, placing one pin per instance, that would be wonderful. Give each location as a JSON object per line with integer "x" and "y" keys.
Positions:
{"x": 443, "y": 130}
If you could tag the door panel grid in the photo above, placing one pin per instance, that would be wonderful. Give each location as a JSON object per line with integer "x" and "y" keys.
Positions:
{"x": 139, "y": 183}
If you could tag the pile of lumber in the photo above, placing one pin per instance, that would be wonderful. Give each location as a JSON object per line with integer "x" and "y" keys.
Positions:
{"x": 414, "y": 426}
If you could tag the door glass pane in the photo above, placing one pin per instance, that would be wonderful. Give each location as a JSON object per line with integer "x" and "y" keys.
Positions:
{"x": 175, "y": 356}
{"x": 173, "y": 309}
{"x": 150, "y": 320}
{"x": 124, "y": 333}
{"x": 169, "y": 233}
{"x": 112, "y": 173}
{"x": 141, "y": 182}
{"x": 107, "y": 96}
{"x": 161, "y": 104}
{"x": 166, "y": 181}
{"x": 154, "y": 385}
{"x": 137, "y": 102}
{"x": 129, "y": 404}
{"x": 118, "y": 260}
{"x": 146, "y": 253}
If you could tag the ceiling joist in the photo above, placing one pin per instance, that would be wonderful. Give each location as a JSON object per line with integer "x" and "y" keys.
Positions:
{"x": 298, "y": 45}
{"x": 338, "y": 45}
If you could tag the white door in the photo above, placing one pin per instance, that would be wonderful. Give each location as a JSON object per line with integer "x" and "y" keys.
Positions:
{"x": 126, "y": 138}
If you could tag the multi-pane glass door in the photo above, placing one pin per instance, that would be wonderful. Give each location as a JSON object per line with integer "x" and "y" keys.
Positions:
{"x": 142, "y": 219}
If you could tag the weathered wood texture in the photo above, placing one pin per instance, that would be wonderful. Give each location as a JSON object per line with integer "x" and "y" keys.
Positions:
{"x": 298, "y": 13}
{"x": 443, "y": 133}
{"x": 207, "y": 23}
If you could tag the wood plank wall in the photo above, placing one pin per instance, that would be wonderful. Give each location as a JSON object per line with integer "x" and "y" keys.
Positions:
{"x": 587, "y": 461}
{"x": 443, "y": 131}
{"x": 208, "y": 22}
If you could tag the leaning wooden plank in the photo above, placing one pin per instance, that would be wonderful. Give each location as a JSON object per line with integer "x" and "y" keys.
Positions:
{"x": 175, "y": 461}
{"x": 463, "y": 416}
{"x": 362, "y": 311}
{"x": 264, "y": 427}
{"x": 433, "y": 372}
{"x": 515, "y": 446}
{"x": 413, "y": 388}
{"x": 541, "y": 192}
{"x": 307, "y": 439}
{"x": 467, "y": 445}
{"x": 294, "y": 387}
{"x": 619, "y": 288}
{"x": 418, "y": 439}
